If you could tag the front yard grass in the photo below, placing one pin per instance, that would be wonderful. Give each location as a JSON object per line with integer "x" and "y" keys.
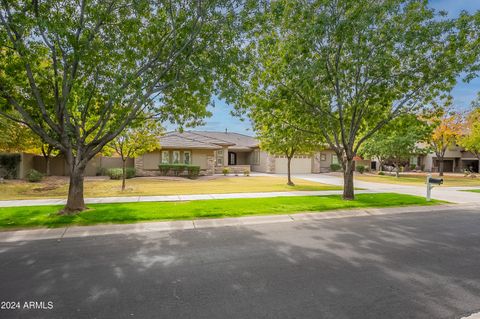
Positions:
{"x": 471, "y": 190}
{"x": 419, "y": 179}
{"x": 144, "y": 186}
{"x": 46, "y": 216}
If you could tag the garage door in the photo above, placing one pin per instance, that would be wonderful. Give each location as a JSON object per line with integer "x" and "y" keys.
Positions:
{"x": 298, "y": 165}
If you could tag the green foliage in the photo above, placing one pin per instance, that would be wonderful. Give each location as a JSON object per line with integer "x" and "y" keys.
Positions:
{"x": 225, "y": 171}
{"x": 246, "y": 172}
{"x": 34, "y": 176}
{"x": 344, "y": 69}
{"x": 79, "y": 73}
{"x": 398, "y": 141}
{"x": 381, "y": 173}
{"x": 471, "y": 139}
{"x": 413, "y": 167}
{"x": 192, "y": 171}
{"x": 17, "y": 137}
{"x": 360, "y": 169}
{"x": 117, "y": 173}
{"x": 335, "y": 167}
{"x": 9, "y": 164}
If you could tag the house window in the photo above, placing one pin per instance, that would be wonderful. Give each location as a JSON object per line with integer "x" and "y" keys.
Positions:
{"x": 165, "y": 157}
{"x": 220, "y": 161}
{"x": 187, "y": 157}
{"x": 220, "y": 153}
{"x": 323, "y": 157}
{"x": 334, "y": 159}
{"x": 256, "y": 157}
{"x": 176, "y": 157}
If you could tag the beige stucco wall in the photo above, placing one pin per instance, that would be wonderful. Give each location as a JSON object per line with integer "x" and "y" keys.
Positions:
{"x": 151, "y": 160}
{"x": 327, "y": 161}
{"x": 26, "y": 164}
{"x": 199, "y": 158}
{"x": 299, "y": 165}
{"x": 262, "y": 166}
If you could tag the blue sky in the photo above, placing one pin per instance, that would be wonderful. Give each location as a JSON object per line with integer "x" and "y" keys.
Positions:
{"x": 463, "y": 93}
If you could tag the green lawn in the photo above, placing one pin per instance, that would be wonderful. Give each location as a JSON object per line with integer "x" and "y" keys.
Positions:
{"x": 457, "y": 180}
{"x": 472, "y": 190}
{"x": 45, "y": 216}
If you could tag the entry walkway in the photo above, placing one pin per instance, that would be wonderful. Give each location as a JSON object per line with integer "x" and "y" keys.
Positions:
{"x": 451, "y": 194}
{"x": 169, "y": 198}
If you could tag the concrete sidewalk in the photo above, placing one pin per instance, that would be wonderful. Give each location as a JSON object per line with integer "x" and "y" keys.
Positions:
{"x": 138, "y": 228}
{"x": 170, "y": 198}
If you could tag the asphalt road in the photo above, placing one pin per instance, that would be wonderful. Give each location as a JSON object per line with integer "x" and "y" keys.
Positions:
{"x": 422, "y": 265}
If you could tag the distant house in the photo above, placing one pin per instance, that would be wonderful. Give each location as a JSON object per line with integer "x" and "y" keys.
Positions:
{"x": 214, "y": 151}
{"x": 456, "y": 160}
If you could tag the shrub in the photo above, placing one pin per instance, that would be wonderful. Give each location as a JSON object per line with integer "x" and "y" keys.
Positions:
{"x": 9, "y": 163}
{"x": 115, "y": 173}
{"x": 130, "y": 172}
{"x": 360, "y": 169}
{"x": 381, "y": 173}
{"x": 34, "y": 176}
{"x": 225, "y": 171}
{"x": 179, "y": 169}
{"x": 246, "y": 172}
{"x": 335, "y": 167}
{"x": 413, "y": 167}
{"x": 193, "y": 171}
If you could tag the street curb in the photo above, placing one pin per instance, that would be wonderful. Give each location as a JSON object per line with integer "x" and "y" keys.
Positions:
{"x": 139, "y": 228}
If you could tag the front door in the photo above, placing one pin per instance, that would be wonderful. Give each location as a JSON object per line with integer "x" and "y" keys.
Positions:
{"x": 232, "y": 158}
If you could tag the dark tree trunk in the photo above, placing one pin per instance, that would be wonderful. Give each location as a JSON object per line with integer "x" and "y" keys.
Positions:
{"x": 397, "y": 164}
{"x": 348, "y": 189}
{"x": 75, "y": 201}
{"x": 440, "y": 167}
{"x": 289, "y": 161}
{"x": 47, "y": 165}
{"x": 124, "y": 173}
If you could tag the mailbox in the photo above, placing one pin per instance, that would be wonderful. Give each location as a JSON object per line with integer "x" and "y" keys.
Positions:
{"x": 437, "y": 181}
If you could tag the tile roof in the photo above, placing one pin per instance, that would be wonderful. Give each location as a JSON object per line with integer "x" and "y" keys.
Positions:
{"x": 208, "y": 140}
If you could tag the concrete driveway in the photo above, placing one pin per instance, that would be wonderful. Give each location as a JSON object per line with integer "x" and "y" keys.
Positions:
{"x": 451, "y": 194}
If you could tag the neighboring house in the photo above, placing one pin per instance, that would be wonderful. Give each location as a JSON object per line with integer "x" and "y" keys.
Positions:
{"x": 214, "y": 151}
{"x": 456, "y": 160}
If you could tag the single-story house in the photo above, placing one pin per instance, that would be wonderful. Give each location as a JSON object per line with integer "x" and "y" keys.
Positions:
{"x": 214, "y": 151}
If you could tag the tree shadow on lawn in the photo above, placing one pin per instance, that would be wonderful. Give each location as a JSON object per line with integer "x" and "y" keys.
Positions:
{"x": 398, "y": 266}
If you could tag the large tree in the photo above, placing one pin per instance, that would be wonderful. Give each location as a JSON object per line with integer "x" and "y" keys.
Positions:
{"x": 79, "y": 71}
{"x": 349, "y": 66}
{"x": 398, "y": 141}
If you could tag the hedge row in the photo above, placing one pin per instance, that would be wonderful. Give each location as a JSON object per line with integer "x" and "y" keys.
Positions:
{"x": 179, "y": 169}
{"x": 117, "y": 173}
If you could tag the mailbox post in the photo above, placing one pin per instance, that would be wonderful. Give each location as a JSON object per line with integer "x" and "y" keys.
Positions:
{"x": 430, "y": 182}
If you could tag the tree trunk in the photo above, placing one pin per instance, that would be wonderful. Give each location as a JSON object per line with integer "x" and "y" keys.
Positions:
{"x": 47, "y": 165}
{"x": 440, "y": 167}
{"x": 124, "y": 173}
{"x": 289, "y": 161}
{"x": 348, "y": 189}
{"x": 398, "y": 169}
{"x": 75, "y": 201}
